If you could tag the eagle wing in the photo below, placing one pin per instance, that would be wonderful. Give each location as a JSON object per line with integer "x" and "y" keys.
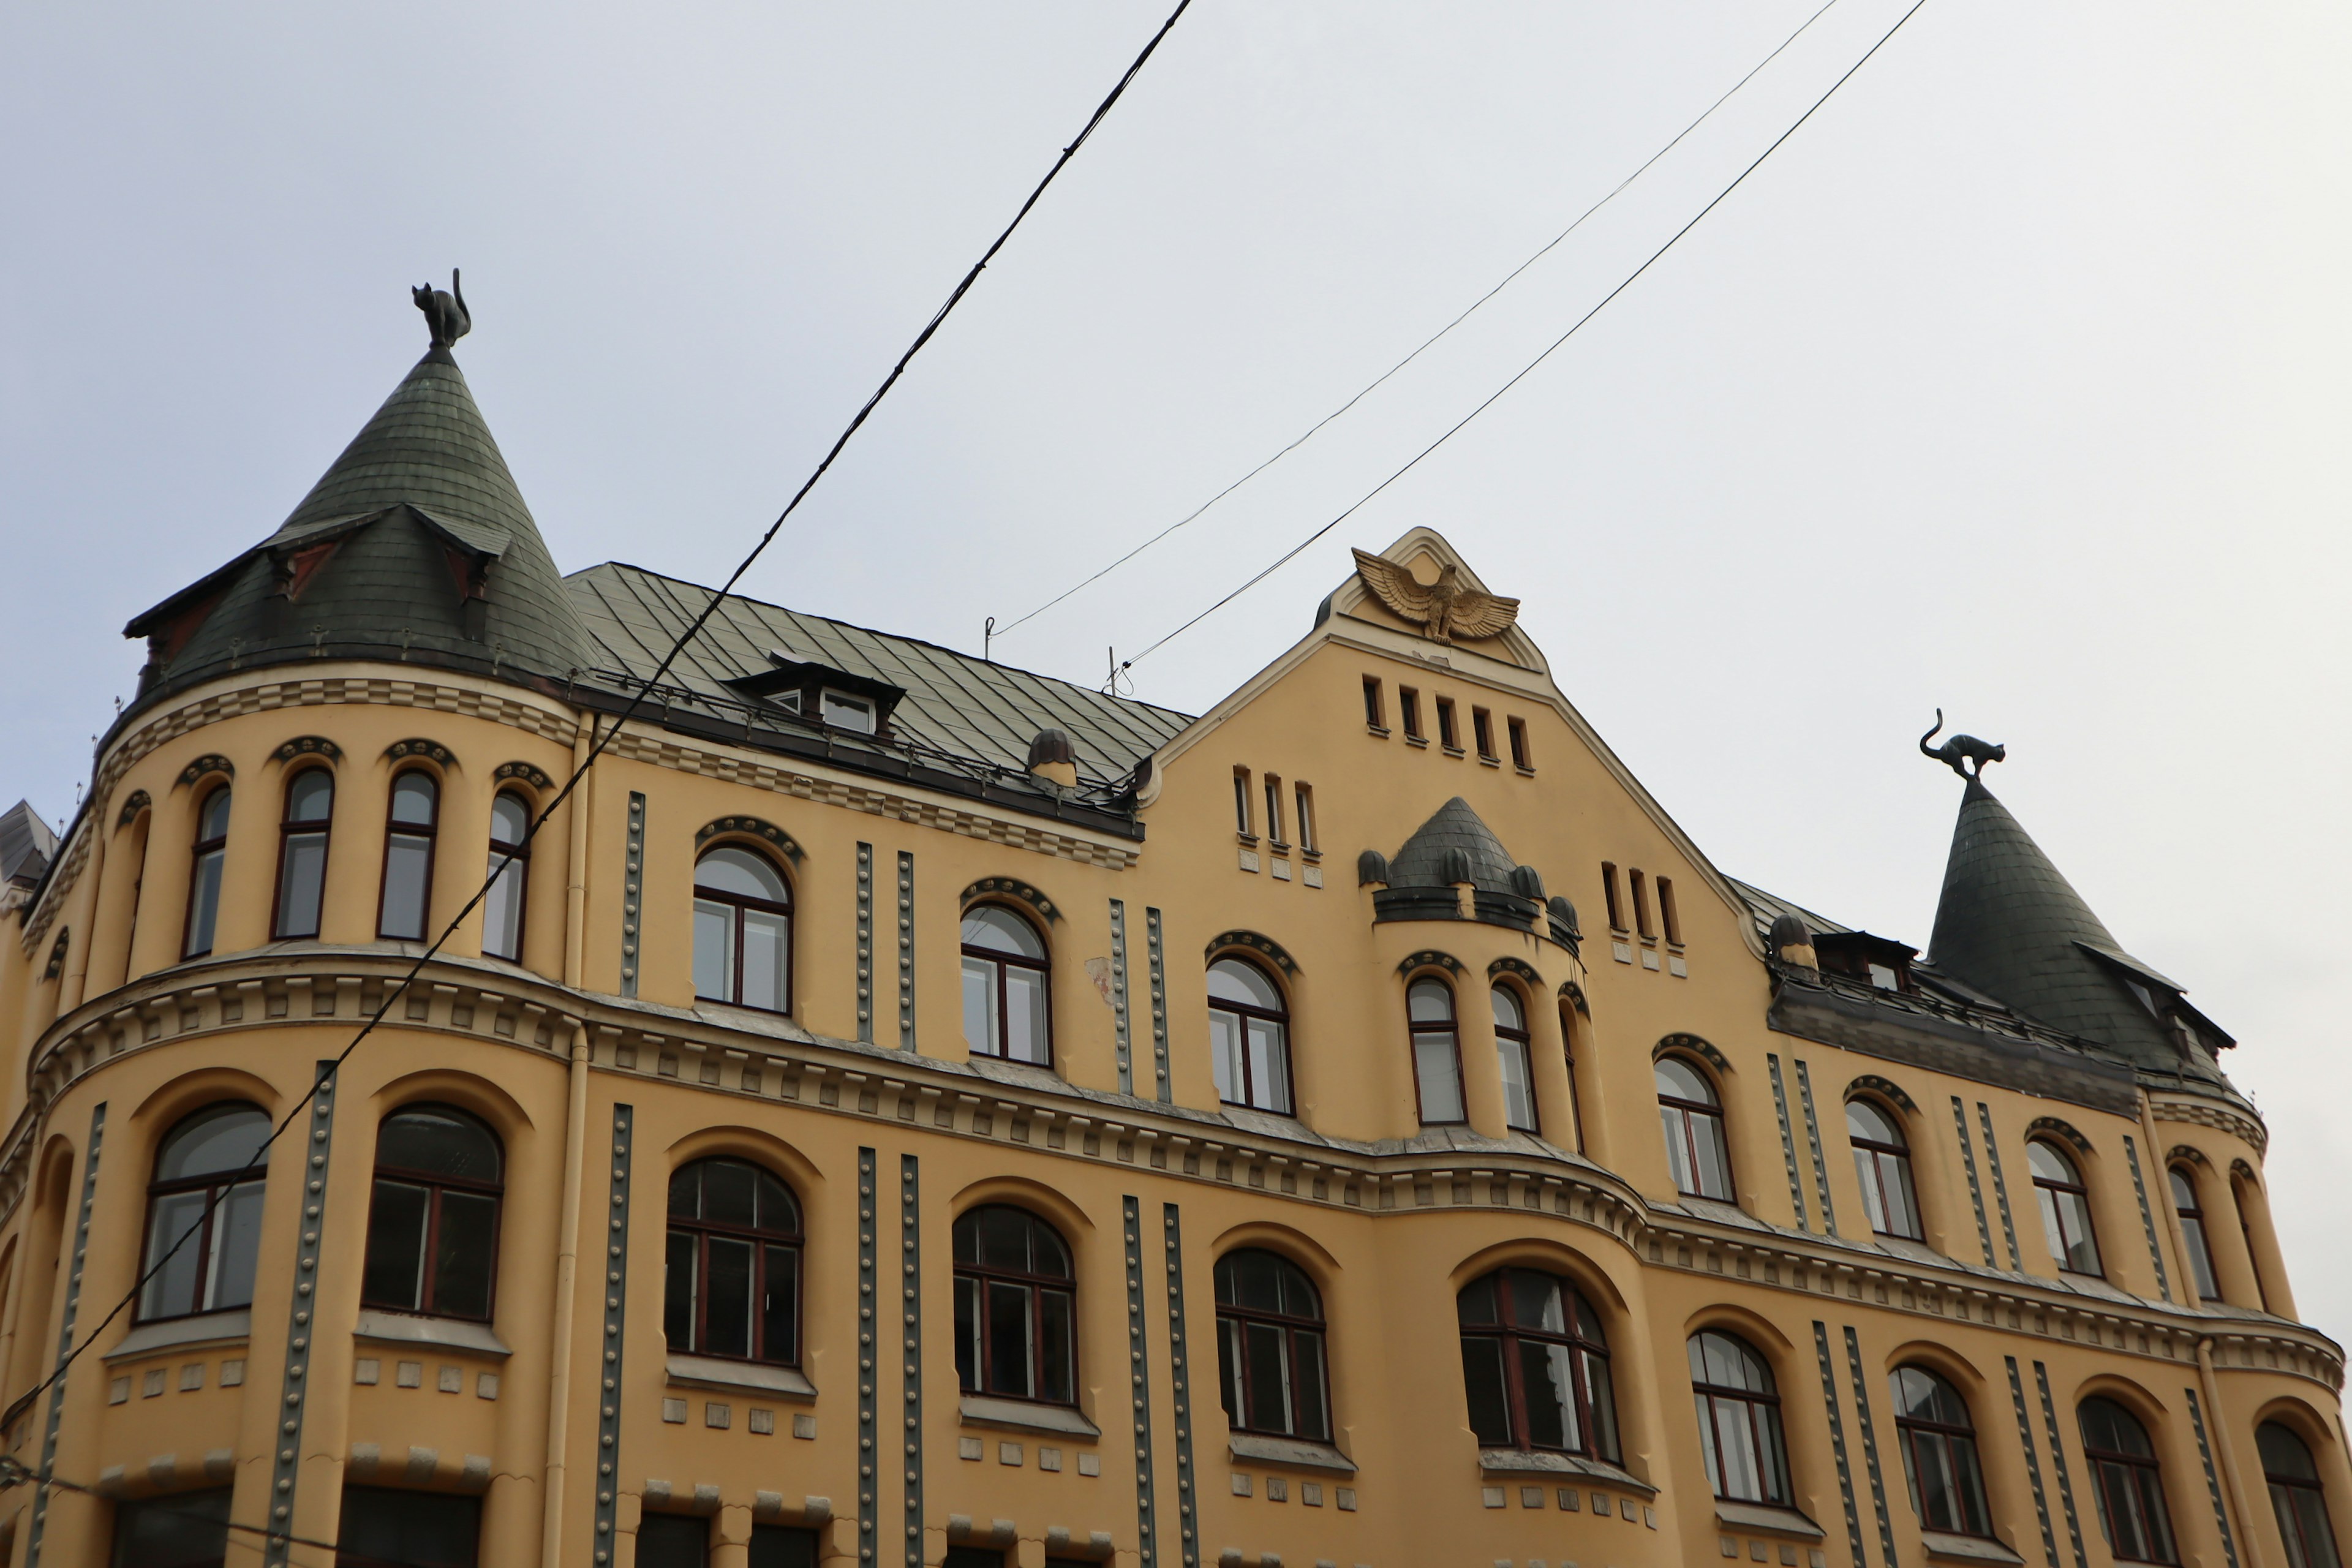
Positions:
{"x": 1476, "y": 615}
{"x": 1394, "y": 586}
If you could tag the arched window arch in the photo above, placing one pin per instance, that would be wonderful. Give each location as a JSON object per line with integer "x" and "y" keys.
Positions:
{"x": 1691, "y": 1114}
{"x": 413, "y": 824}
{"x": 210, "y": 853}
{"x": 302, "y": 853}
{"x": 433, "y": 1218}
{"x": 1535, "y": 1365}
{"x": 1008, "y": 1008}
{"x": 1436, "y": 1052}
{"x": 1015, "y": 1307}
{"x": 1515, "y": 1056}
{"x": 1249, "y": 1036}
{"x": 204, "y": 1223}
{"x": 1882, "y": 1158}
{"x": 732, "y": 1286}
{"x": 2065, "y": 1207}
{"x": 510, "y": 871}
{"x": 742, "y": 930}
{"x": 1739, "y": 1420}
{"x": 1939, "y": 1453}
{"x": 2297, "y": 1497}
{"x": 2183, "y": 1183}
{"x": 1270, "y": 1362}
{"x": 2129, "y": 1481}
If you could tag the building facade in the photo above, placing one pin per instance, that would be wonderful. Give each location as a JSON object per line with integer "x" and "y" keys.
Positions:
{"x": 899, "y": 1110}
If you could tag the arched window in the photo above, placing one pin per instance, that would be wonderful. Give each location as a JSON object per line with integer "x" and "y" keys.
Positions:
{"x": 1015, "y": 1308}
{"x": 2131, "y": 1484}
{"x": 2297, "y": 1497}
{"x": 203, "y": 1224}
{"x": 408, "y": 857}
{"x": 2192, "y": 1231}
{"x": 2247, "y": 1198}
{"x": 1006, "y": 1009}
{"x": 1883, "y": 1160}
{"x": 510, "y": 880}
{"x": 732, "y": 1286}
{"x": 1516, "y": 1058}
{"x": 1692, "y": 1117}
{"x": 1249, "y": 1036}
{"x": 1437, "y": 1051}
{"x": 204, "y": 875}
{"x": 1270, "y": 1361}
{"x": 302, "y": 853}
{"x": 1739, "y": 1420}
{"x": 742, "y": 931}
{"x": 1939, "y": 1453}
{"x": 2065, "y": 1207}
{"x": 433, "y": 1221}
{"x": 1535, "y": 1365}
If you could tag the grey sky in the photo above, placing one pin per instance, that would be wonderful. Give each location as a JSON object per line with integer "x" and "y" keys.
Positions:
{"x": 2013, "y": 384}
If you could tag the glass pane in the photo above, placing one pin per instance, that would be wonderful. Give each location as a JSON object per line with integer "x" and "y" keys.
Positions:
{"x": 1269, "y": 1377}
{"x": 1600, "y": 1399}
{"x": 2151, "y": 1502}
{"x": 2285, "y": 1455}
{"x": 1059, "y": 1370}
{"x": 407, "y": 862}
{"x": 1536, "y": 1301}
{"x": 1865, "y": 1121}
{"x": 1233, "y": 980}
{"x": 781, "y": 1546}
{"x": 1225, "y": 1052}
{"x": 1001, "y": 931}
{"x": 1269, "y": 1065}
{"x": 1519, "y": 1088}
{"x": 767, "y": 955}
{"x": 173, "y": 1290}
{"x": 502, "y": 908}
{"x": 967, "y": 1333}
{"x": 509, "y": 819}
{"x": 237, "y": 1245}
{"x": 979, "y": 1005}
{"x": 1968, "y": 1488}
{"x": 741, "y": 872}
{"x": 2314, "y": 1535}
{"x": 1478, "y": 1301}
{"x": 1046, "y": 1253}
{"x": 1430, "y": 1001}
{"x": 779, "y": 1306}
{"x": 186, "y": 1529}
{"x": 1902, "y": 1203}
{"x": 312, "y": 796}
{"x": 1714, "y": 1164}
{"x": 1251, "y": 1280}
{"x": 727, "y": 1310}
{"x": 218, "y": 1138}
{"x": 2051, "y": 1165}
{"x": 214, "y": 823}
{"x": 1025, "y": 1015}
{"x": 714, "y": 950}
{"x": 1677, "y": 1079}
{"x": 394, "y": 1272}
{"x": 1508, "y": 1014}
{"x": 727, "y": 1188}
{"x": 1229, "y": 1368}
{"x": 2083, "y": 1248}
{"x": 778, "y": 1210}
{"x": 1544, "y": 1377}
{"x": 1312, "y": 1417}
{"x": 464, "y": 1255}
{"x": 2184, "y": 1191}
{"x": 1932, "y": 1480}
{"x": 672, "y": 1541}
{"x": 1675, "y": 1123}
{"x": 416, "y": 1528}
{"x": 1482, "y": 1379}
{"x": 685, "y": 1193}
{"x": 204, "y": 903}
{"x": 1004, "y": 1238}
{"x": 441, "y": 1143}
{"x": 1434, "y": 1064}
{"x": 1736, "y": 1450}
{"x": 301, "y": 883}
{"x": 2200, "y": 1257}
{"x": 677, "y": 1291}
{"x": 1009, "y": 1340}
{"x": 414, "y": 795}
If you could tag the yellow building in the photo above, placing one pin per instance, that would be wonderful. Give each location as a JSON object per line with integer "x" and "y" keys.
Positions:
{"x": 900, "y": 1110}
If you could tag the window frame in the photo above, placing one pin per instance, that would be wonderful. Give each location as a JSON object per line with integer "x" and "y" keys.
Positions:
{"x": 1908, "y": 1430}
{"x": 1244, "y": 812}
{"x": 1686, "y": 1110}
{"x": 1274, "y": 812}
{"x": 1872, "y": 1157}
{"x": 1762, "y": 1408}
{"x": 2053, "y": 1212}
{"x": 1482, "y": 734}
{"x": 1244, "y": 1011}
{"x": 1522, "y": 752}
{"x": 738, "y": 903}
{"x": 289, "y": 830}
{"x": 1450, "y": 1027}
{"x": 201, "y": 850}
{"x": 1409, "y": 714}
{"x": 1507, "y": 1332}
{"x": 1303, "y": 798}
{"x": 509, "y": 857}
{"x": 1001, "y": 992}
{"x": 208, "y": 1230}
{"x": 2288, "y": 1490}
{"x": 1524, "y": 1038}
{"x": 2196, "y": 1238}
{"x": 1610, "y": 898}
{"x": 1449, "y": 729}
{"x": 1233, "y": 1366}
{"x": 2146, "y": 1471}
{"x": 1036, "y": 1285}
{"x": 793, "y": 1239}
{"x": 435, "y": 1184}
{"x": 393, "y": 828}
{"x": 1376, "y": 716}
{"x": 1639, "y": 884}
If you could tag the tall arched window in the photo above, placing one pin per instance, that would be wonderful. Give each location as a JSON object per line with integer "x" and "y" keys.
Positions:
{"x": 1692, "y": 1117}
{"x": 203, "y": 1224}
{"x": 1436, "y": 1052}
{"x": 1883, "y": 1160}
{"x": 1939, "y": 1453}
{"x": 302, "y": 853}
{"x": 2297, "y": 1497}
{"x": 415, "y": 818}
{"x": 2130, "y": 1483}
{"x": 2065, "y": 1207}
{"x": 1015, "y": 1308}
{"x": 732, "y": 1286}
{"x": 1535, "y": 1365}
{"x": 1516, "y": 1058}
{"x": 1007, "y": 1008}
{"x": 433, "y": 1220}
{"x": 1249, "y": 1036}
{"x": 1739, "y": 1420}
{"x": 742, "y": 931}
{"x": 2192, "y": 1231}
{"x": 1270, "y": 1361}
{"x": 510, "y": 878}
{"x": 204, "y": 875}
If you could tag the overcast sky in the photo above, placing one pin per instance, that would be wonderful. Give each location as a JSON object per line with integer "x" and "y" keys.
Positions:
{"x": 2015, "y": 382}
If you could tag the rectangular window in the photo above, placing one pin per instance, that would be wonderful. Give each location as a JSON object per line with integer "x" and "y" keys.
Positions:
{"x": 844, "y": 712}
{"x": 183, "y": 1530}
{"x": 782, "y": 1546}
{"x": 1408, "y": 708}
{"x": 1641, "y": 887}
{"x": 1482, "y": 730}
{"x": 382, "y": 1525}
{"x": 1305, "y": 796}
{"x": 1241, "y": 802}
{"x": 1447, "y": 736}
{"x": 1608, "y": 893}
{"x": 1668, "y": 913}
{"x": 1375, "y": 713}
{"x": 1274, "y": 808}
{"x": 1520, "y": 756}
{"x": 673, "y": 1541}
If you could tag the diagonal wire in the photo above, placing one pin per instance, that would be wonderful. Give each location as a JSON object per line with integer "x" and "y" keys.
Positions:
{"x": 255, "y": 1167}
{"x": 1292, "y": 553}
{"x": 1430, "y": 341}
{"x": 13, "y": 1473}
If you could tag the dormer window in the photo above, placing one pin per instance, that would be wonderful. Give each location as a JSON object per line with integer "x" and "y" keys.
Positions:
{"x": 837, "y": 699}
{"x": 1876, "y": 961}
{"x": 844, "y": 712}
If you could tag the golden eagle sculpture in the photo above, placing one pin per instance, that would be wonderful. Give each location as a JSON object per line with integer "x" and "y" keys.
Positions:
{"x": 1445, "y": 610}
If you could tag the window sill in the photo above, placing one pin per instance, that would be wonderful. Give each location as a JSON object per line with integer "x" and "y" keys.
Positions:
{"x": 1416, "y": 740}
{"x": 981, "y": 1410}
{"x": 1487, "y": 762}
{"x": 186, "y": 1334}
{"x": 1379, "y": 729}
{"x": 756, "y": 1377}
{"x": 1524, "y": 770}
{"x": 1290, "y": 1451}
{"x": 1764, "y": 1515}
{"x": 450, "y": 1333}
{"x": 1454, "y": 751}
{"x": 1965, "y": 1548}
{"x": 1533, "y": 1462}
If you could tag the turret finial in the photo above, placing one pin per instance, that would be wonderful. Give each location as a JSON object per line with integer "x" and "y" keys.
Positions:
{"x": 1959, "y": 750}
{"x": 444, "y": 312}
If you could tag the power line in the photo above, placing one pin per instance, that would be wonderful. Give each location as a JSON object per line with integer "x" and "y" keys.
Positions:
{"x": 1291, "y": 554}
{"x": 995, "y": 631}
{"x": 15, "y": 1472}
{"x": 257, "y": 1166}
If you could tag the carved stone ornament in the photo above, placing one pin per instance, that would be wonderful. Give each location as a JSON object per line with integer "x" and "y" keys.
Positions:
{"x": 2051, "y": 1126}
{"x": 1575, "y": 995}
{"x": 1870, "y": 1083}
{"x": 57, "y": 964}
{"x": 1265, "y": 947}
{"x": 1430, "y": 958}
{"x": 1010, "y": 888}
{"x": 534, "y": 777}
{"x": 744, "y": 826}
{"x": 1444, "y": 610}
{"x": 206, "y": 765}
{"x": 1695, "y": 1046}
{"x": 308, "y": 746}
{"x": 1519, "y": 967}
{"x": 138, "y": 802}
{"x": 432, "y": 750}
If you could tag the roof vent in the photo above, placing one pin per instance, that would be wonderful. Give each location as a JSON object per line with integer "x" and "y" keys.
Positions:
{"x": 1051, "y": 758}
{"x": 1792, "y": 941}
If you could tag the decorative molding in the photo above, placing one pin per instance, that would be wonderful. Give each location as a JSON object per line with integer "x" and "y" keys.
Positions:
{"x": 2146, "y": 1218}
{"x": 416, "y": 746}
{"x": 2247, "y": 1130}
{"x": 2212, "y": 1482}
{"x": 286, "y": 1468}
{"x": 1009, "y": 888}
{"x": 2051, "y": 1125}
{"x": 2032, "y": 1459}
{"x": 1999, "y": 1188}
{"x": 1695, "y": 1046}
{"x": 1837, "y": 1440}
{"x": 1188, "y": 1498}
{"x": 1146, "y": 1532}
{"x": 211, "y": 762}
{"x": 910, "y": 1282}
{"x": 633, "y": 893}
{"x": 616, "y": 1340}
{"x": 308, "y": 746}
{"x": 139, "y": 801}
{"x": 1122, "y": 1023}
{"x": 1975, "y": 1187}
{"x": 1869, "y": 1443}
{"x": 2058, "y": 1461}
{"x": 1575, "y": 994}
{"x": 65, "y": 1330}
{"x": 1155, "y": 954}
{"x": 905, "y": 950}
{"x": 1788, "y": 1141}
{"x": 1814, "y": 1138}
{"x": 2180, "y": 1153}
{"x": 865, "y": 944}
{"x": 1871, "y": 1083}
{"x": 1520, "y": 967}
{"x": 534, "y": 776}
{"x": 868, "y": 1432}
{"x": 1430, "y": 958}
{"x": 57, "y": 964}
{"x": 767, "y": 832}
{"x": 1266, "y": 947}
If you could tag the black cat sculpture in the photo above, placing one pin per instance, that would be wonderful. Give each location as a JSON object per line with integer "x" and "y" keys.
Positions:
{"x": 1959, "y": 750}
{"x": 444, "y": 312}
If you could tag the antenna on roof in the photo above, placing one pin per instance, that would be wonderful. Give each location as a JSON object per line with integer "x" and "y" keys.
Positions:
{"x": 987, "y": 635}
{"x": 1117, "y": 673}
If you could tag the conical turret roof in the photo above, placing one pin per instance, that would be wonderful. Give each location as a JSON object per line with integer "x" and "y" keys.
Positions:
{"x": 1422, "y": 861}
